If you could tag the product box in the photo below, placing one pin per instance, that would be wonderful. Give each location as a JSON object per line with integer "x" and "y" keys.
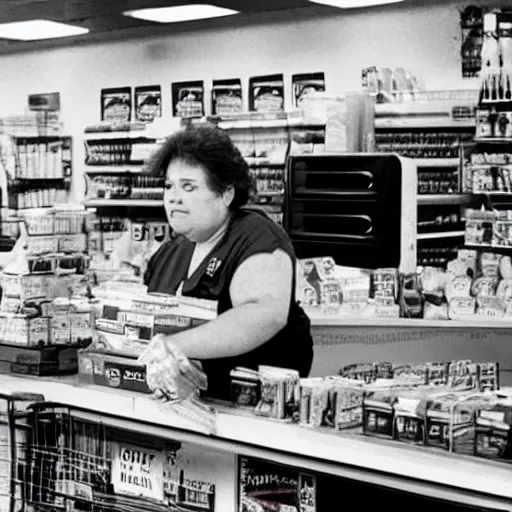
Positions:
{"x": 378, "y": 411}
{"x": 20, "y": 330}
{"x": 245, "y": 387}
{"x": 348, "y": 399}
{"x": 40, "y": 361}
{"x": 409, "y": 418}
{"x": 280, "y": 393}
{"x": 28, "y": 286}
{"x": 72, "y": 243}
{"x": 462, "y": 432}
{"x": 315, "y": 408}
{"x": 113, "y": 371}
{"x": 493, "y": 432}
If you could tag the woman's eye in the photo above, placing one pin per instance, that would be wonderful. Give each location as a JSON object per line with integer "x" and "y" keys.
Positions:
{"x": 188, "y": 187}
{"x": 168, "y": 186}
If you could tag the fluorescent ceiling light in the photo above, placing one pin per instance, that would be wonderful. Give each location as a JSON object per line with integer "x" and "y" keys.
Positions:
{"x": 180, "y": 13}
{"x": 39, "y": 29}
{"x": 354, "y": 4}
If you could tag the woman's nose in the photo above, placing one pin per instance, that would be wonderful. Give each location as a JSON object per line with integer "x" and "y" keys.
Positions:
{"x": 172, "y": 196}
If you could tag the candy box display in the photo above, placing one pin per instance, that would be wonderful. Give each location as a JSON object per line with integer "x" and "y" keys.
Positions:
{"x": 113, "y": 371}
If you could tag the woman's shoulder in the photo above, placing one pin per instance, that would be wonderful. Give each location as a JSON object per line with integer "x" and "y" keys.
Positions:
{"x": 256, "y": 230}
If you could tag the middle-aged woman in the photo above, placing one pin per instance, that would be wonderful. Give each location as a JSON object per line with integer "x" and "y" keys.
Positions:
{"x": 229, "y": 254}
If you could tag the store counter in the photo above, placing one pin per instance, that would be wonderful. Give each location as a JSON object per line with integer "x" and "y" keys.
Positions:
{"x": 418, "y": 470}
{"x": 340, "y": 341}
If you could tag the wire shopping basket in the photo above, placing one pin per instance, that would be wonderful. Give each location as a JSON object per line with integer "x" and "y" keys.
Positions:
{"x": 76, "y": 464}
{"x": 14, "y": 441}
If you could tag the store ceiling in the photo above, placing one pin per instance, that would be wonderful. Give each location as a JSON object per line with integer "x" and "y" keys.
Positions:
{"x": 105, "y": 20}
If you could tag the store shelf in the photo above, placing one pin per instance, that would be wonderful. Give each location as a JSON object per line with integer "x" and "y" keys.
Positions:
{"x": 113, "y": 169}
{"x": 268, "y": 123}
{"x": 422, "y": 122}
{"x": 418, "y": 470}
{"x": 472, "y": 322}
{"x": 434, "y": 236}
{"x": 488, "y": 248}
{"x": 441, "y": 199}
{"x": 492, "y": 140}
{"x": 99, "y": 136}
{"x": 436, "y": 162}
{"x": 129, "y": 203}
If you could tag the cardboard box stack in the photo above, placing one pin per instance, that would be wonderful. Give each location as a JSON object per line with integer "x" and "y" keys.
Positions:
{"x": 126, "y": 320}
{"x": 45, "y": 311}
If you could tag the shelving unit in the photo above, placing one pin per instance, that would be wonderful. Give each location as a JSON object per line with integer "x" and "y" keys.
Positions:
{"x": 460, "y": 199}
{"x": 444, "y": 234}
{"x": 430, "y": 131}
{"x": 120, "y": 193}
{"x": 251, "y": 133}
{"x": 125, "y": 203}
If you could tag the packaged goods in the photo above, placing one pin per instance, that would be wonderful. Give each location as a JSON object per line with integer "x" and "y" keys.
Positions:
{"x": 280, "y": 393}
{"x": 245, "y": 387}
{"x": 348, "y": 397}
{"x": 378, "y": 407}
{"x": 113, "y": 371}
{"x": 494, "y": 432}
{"x": 409, "y": 417}
{"x": 462, "y": 428}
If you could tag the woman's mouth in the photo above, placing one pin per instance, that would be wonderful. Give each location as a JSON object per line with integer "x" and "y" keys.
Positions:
{"x": 178, "y": 213}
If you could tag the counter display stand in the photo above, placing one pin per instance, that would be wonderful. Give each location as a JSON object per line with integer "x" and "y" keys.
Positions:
{"x": 97, "y": 421}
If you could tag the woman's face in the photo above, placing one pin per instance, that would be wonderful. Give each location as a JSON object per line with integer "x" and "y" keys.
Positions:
{"x": 192, "y": 208}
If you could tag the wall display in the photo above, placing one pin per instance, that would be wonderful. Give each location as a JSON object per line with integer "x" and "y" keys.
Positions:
{"x": 266, "y": 486}
{"x": 227, "y": 96}
{"x": 471, "y": 24}
{"x": 305, "y": 84}
{"x": 148, "y": 103}
{"x": 266, "y": 93}
{"x": 116, "y": 104}
{"x": 188, "y": 99}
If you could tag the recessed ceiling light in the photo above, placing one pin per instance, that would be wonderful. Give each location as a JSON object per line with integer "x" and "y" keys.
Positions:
{"x": 354, "y": 4}
{"x": 33, "y": 30}
{"x": 180, "y": 13}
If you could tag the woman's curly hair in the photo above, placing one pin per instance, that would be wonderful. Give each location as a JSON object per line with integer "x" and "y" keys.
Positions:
{"x": 213, "y": 149}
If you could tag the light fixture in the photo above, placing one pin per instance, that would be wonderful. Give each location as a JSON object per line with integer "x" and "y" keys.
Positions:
{"x": 354, "y": 4}
{"x": 34, "y": 30}
{"x": 179, "y": 13}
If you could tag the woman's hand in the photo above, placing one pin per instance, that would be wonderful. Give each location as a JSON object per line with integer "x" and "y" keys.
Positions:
{"x": 169, "y": 373}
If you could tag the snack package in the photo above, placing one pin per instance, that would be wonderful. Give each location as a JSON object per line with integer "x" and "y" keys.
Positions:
{"x": 494, "y": 432}
{"x": 348, "y": 398}
{"x": 245, "y": 387}
{"x": 462, "y": 430}
{"x": 463, "y": 375}
{"x": 409, "y": 416}
{"x": 280, "y": 393}
{"x": 378, "y": 408}
{"x": 385, "y": 286}
{"x": 413, "y": 373}
{"x": 488, "y": 376}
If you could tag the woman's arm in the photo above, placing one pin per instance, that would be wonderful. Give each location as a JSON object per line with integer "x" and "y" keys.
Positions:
{"x": 260, "y": 292}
